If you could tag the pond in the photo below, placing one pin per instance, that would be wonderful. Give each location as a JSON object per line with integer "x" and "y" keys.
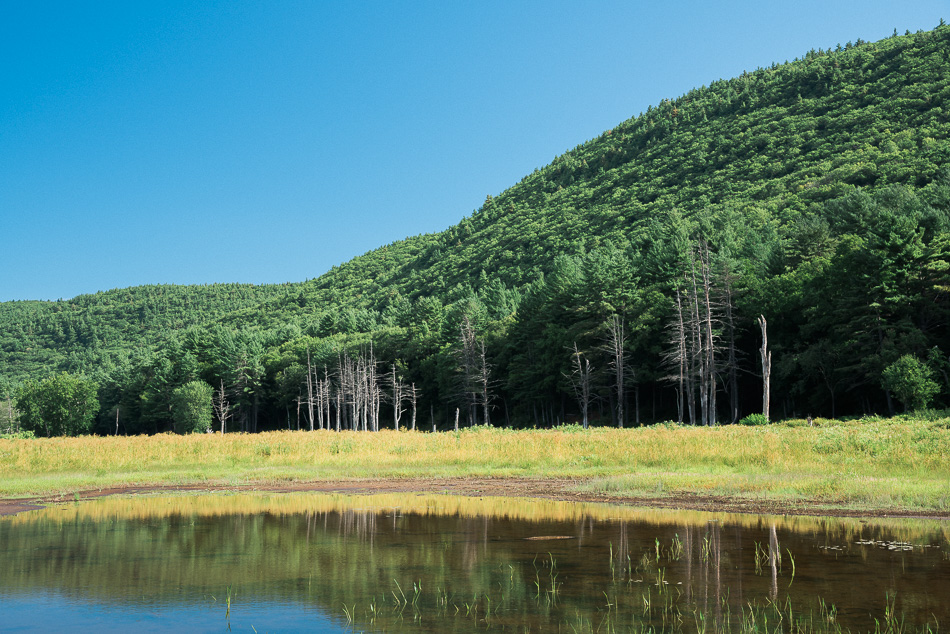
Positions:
{"x": 438, "y": 563}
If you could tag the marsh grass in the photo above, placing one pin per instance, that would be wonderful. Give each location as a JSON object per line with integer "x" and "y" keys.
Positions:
{"x": 625, "y": 607}
{"x": 901, "y": 463}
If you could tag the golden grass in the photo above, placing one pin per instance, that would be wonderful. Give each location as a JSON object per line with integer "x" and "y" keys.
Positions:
{"x": 146, "y": 507}
{"x": 881, "y": 463}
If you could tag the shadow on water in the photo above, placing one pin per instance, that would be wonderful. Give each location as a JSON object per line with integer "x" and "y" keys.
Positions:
{"x": 434, "y": 563}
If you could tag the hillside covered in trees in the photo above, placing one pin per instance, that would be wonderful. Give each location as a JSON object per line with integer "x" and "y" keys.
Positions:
{"x": 623, "y": 283}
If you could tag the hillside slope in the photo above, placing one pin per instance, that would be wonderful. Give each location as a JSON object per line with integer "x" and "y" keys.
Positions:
{"x": 770, "y": 144}
{"x": 793, "y": 176}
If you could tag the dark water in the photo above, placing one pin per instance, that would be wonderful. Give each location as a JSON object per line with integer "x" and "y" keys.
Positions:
{"x": 429, "y": 563}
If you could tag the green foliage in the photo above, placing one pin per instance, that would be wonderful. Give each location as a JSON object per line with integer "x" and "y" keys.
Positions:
{"x": 61, "y": 405}
{"x": 822, "y": 187}
{"x": 911, "y": 382}
{"x": 754, "y": 419}
{"x": 191, "y": 407}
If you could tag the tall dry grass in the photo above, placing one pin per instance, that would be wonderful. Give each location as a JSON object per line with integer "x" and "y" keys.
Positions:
{"x": 884, "y": 463}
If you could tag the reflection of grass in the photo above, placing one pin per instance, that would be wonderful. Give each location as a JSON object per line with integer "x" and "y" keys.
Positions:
{"x": 203, "y": 504}
{"x": 899, "y": 463}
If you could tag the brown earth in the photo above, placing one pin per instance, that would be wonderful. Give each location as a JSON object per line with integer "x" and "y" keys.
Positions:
{"x": 553, "y": 489}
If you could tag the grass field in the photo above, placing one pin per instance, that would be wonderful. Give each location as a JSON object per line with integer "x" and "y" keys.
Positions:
{"x": 900, "y": 463}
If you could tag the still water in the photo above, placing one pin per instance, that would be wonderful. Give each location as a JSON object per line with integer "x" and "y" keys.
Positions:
{"x": 434, "y": 563}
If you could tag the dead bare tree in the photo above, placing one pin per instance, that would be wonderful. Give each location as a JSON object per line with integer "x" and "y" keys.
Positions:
{"x": 766, "y": 355}
{"x": 474, "y": 372}
{"x": 614, "y": 346}
{"x": 398, "y": 397}
{"x": 326, "y": 393}
{"x": 375, "y": 387}
{"x": 347, "y": 371}
{"x": 13, "y": 424}
{"x": 222, "y": 408}
{"x": 702, "y": 327}
{"x": 373, "y": 394}
{"x": 339, "y": 405}
{"x": 468, "y": 365}
{"x": 580, "y": 378}
{"x": 697, "y": 389}
{"x": 709, "y": 339}
{"x": 483, "y": 378}
{"x": 727, "y": 302}
{"x": 677, "y": 358}
{"x": 360, "y": 393}
{"x": 309, "y": 390}
{"x": 357, "y": 393}
{"x": 299, "y": 401}
{"x": 413, "y": 398}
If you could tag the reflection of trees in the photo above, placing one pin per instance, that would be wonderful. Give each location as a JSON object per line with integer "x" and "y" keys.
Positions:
{"x": 775, "y": 555}
{"x": 352, "y": 553}
{"x": 711, "y": 557}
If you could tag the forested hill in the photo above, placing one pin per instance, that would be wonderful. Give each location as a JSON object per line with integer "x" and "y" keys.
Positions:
{"x": 38, "y": 337}
{"x": 767, "y": 146}
{"x": 815, "y": 193}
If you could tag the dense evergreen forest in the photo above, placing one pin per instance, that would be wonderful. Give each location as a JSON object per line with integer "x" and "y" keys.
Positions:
{"x": 629, "y": 281}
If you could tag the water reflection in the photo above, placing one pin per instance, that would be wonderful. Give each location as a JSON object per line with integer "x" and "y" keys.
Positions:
{"x": 434, "y": 563}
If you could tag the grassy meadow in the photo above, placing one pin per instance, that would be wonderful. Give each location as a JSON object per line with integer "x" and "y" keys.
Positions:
{"x": 900, "y": 464}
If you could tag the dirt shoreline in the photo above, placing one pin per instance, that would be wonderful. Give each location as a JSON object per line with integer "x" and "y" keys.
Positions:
{"x": 548, "y": 488}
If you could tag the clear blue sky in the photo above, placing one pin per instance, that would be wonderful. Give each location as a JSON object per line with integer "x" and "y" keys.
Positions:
{"x": 248, "y": 141}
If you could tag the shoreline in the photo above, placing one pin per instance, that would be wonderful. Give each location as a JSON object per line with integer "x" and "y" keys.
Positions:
{"x": 562, "y": 489}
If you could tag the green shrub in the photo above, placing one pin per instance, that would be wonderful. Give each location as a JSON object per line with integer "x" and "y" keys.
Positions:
{"x": 911, "y": 381}
{"x": 754, "y": 419}
{"x": 191, "y": 407}
{"x": 61, "y": 405}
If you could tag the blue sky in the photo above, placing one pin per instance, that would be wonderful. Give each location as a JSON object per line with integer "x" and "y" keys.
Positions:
{"x": 265, "y": 142}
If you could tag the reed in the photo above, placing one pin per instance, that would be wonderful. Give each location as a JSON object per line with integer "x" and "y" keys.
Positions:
{"x": 648, "y": 608}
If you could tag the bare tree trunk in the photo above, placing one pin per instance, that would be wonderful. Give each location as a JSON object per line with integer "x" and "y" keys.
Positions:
{"x": 221, "y": 406}
{"x": 732, "y": 361}
{"x": 413, "y": 396}
{"x": 339, "y": 405}
{"x": 377, "y": 388}
{"x": 766, "y": 355}
{"x": 456, "y": 419}
{"x": 326, "y": 393}
{"x": 475, "y": 372}
{"x": 682, "y": 361}
{"x": 580, "y": 381}
{"x": 616, "y": 338}
{"x": 708, "y": 334}
{"x": 318, "y": 394}
{"x": 694, "y": 357}
{"x": 703, "y": 337}
{"x": 395, "y": 382}
{"x": 373, "y": 390}
{"x": 359, "y": 394}
{"x": 483, "y": 377}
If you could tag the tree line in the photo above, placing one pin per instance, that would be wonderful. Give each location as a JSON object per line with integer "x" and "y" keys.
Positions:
{"x": 632, "y": 280}
{"x": 683, "y": 324}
